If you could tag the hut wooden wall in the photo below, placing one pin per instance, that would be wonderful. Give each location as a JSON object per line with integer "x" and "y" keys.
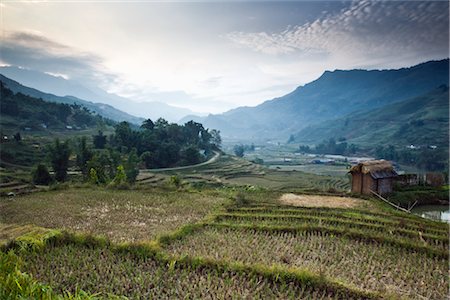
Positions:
{"x": 369, "y": 184}
{"x": 356, "y": 182}
{"x": 384, "y": 186}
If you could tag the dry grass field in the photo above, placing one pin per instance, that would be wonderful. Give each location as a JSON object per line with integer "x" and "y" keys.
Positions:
{"x": 215, "y": 236}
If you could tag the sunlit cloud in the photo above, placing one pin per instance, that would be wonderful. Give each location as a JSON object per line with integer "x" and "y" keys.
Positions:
{"x": 189, "y": 55}
{"x": 374, "y": 32}
{"x": 37, "y": 52}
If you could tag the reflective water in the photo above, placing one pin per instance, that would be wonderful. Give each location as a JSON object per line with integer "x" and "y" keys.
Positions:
{"x": 434, "y": 212}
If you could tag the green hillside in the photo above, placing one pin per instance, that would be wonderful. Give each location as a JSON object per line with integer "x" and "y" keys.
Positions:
{"x": 20, "y": 112}
{"x": 334, "y": 95}
{"x": 102, "y": 109}
{"x": 421, "y": 121}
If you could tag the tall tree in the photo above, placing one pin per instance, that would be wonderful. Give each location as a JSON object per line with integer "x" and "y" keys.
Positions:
{"x": 59, "y": 158}
{"x": 99, "y": 140}
{"x": 239, "y": 150}
{"x": 131, "y": 166}
{"x": 84, "y": 154}
{"x": 148, "y": 124}
{"x": 216, "y": 139}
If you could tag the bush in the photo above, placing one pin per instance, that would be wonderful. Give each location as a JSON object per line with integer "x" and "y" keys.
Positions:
{"x": 41, "y": 175}
{"x": 175, "y": 180}
{"x": 120, "y": 180}
{"x": 93, "y": 177}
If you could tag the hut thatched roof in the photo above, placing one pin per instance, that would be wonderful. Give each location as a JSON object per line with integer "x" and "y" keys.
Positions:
{"x": 376, "y": 168}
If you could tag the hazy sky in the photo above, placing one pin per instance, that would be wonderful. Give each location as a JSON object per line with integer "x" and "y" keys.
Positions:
{"x": 213, "y": 56}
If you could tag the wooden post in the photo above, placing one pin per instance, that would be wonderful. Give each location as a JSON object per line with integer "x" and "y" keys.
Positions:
{"x": 390, "y": 203}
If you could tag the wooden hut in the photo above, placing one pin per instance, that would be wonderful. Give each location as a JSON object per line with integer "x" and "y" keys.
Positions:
{"x": 373, "y": 175}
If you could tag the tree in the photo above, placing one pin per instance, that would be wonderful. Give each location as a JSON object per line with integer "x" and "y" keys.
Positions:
{"x": 123, "y": 133}
{"x": 148, "y": 124}
{"x": 59, "y": 157}
{"x": 99, "y": 140}
{"x": 147, "y": 158}
{"x": 101, "y": 164}
{"x": 131, "y": 166}
{"x": 120, "y": 180}
{"x": 216, "y": 139}
{"x": 291, "y": 139}
{"x": 239, "y": 150}
{"x": 93, "y": 178}
{"x": 41, "y": 175}
{"x": 191, "y": 155}
{"x": 161, "y": 123}
{"x": 84, "y": 154}
{"x": 17, "y": 137}
{"x": 64, "y": 111}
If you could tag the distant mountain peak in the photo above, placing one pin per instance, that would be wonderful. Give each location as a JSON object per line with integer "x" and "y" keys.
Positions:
{"x": 334, "y": 94}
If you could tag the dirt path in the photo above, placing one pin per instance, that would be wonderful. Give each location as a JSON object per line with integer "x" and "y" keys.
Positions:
{"x": 322, "y": 201}
{"x": 211, "y": 160}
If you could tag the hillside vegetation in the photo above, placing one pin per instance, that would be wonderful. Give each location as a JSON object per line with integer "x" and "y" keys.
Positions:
{"x": 421, "y": 120}
{"x": 102, "y": 109}
{"x": 20, "y": 112}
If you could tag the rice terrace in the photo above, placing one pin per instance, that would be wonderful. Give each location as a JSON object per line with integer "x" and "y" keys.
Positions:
{"x": 224, "y": 241}
{"x": 224, "y": 150}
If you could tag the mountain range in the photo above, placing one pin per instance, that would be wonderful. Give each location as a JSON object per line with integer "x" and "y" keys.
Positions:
{"x": 365, "y": 107}
{"x": 102, "y": 109}
{"x": 334, "y": 95}
{"x": 422, "y": 120}
{"x": 62, "y": 87}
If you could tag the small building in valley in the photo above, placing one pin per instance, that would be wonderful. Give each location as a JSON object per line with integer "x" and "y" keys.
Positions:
{"x": 373, "y": 175}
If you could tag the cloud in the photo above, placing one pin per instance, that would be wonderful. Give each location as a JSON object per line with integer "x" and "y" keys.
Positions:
{"x": 364, "y": 30}
{"x": 33, "y": 51}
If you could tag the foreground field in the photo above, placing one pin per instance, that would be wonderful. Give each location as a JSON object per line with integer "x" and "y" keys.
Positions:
{"x": 69, "y": 267}
{"x": 364, "y": 264}
{"x": 119, "y": 215}
{"x": 206, "y": 245}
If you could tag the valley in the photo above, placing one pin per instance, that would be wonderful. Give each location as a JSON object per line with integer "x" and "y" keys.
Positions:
{"x": 255, "y": 204}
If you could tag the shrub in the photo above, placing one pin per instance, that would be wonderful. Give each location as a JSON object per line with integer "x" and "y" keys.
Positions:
{"x": 175, "y": 180}
{"x": 120, "y": 180}
{"x": 41, "y": 175}
{"x": 93, "y": 177}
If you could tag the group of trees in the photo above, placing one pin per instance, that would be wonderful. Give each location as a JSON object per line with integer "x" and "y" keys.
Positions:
{"x": 116, "y": 158}
{"x": 98, "y": 166}
{"x": 423, "y": 158}
{"x": 38, "y": 114}
{"x": 162, "y": 144}
{"x": 240, "y": 149}
{"x": 330, "y": 146}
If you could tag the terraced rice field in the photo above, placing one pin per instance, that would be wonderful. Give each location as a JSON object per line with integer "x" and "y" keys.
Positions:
{"x": 122, "y": 216}
{"x": 369, "y": 266}
{"x": 70, "y": 267}
{"x": 390, "y": 254}
{"x": 229, "y": 170}
{"x": 263, "y": 250}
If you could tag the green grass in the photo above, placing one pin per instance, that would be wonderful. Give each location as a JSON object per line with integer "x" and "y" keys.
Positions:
{"x": 25, "y": 233}
{"x": 420, "y": 195}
